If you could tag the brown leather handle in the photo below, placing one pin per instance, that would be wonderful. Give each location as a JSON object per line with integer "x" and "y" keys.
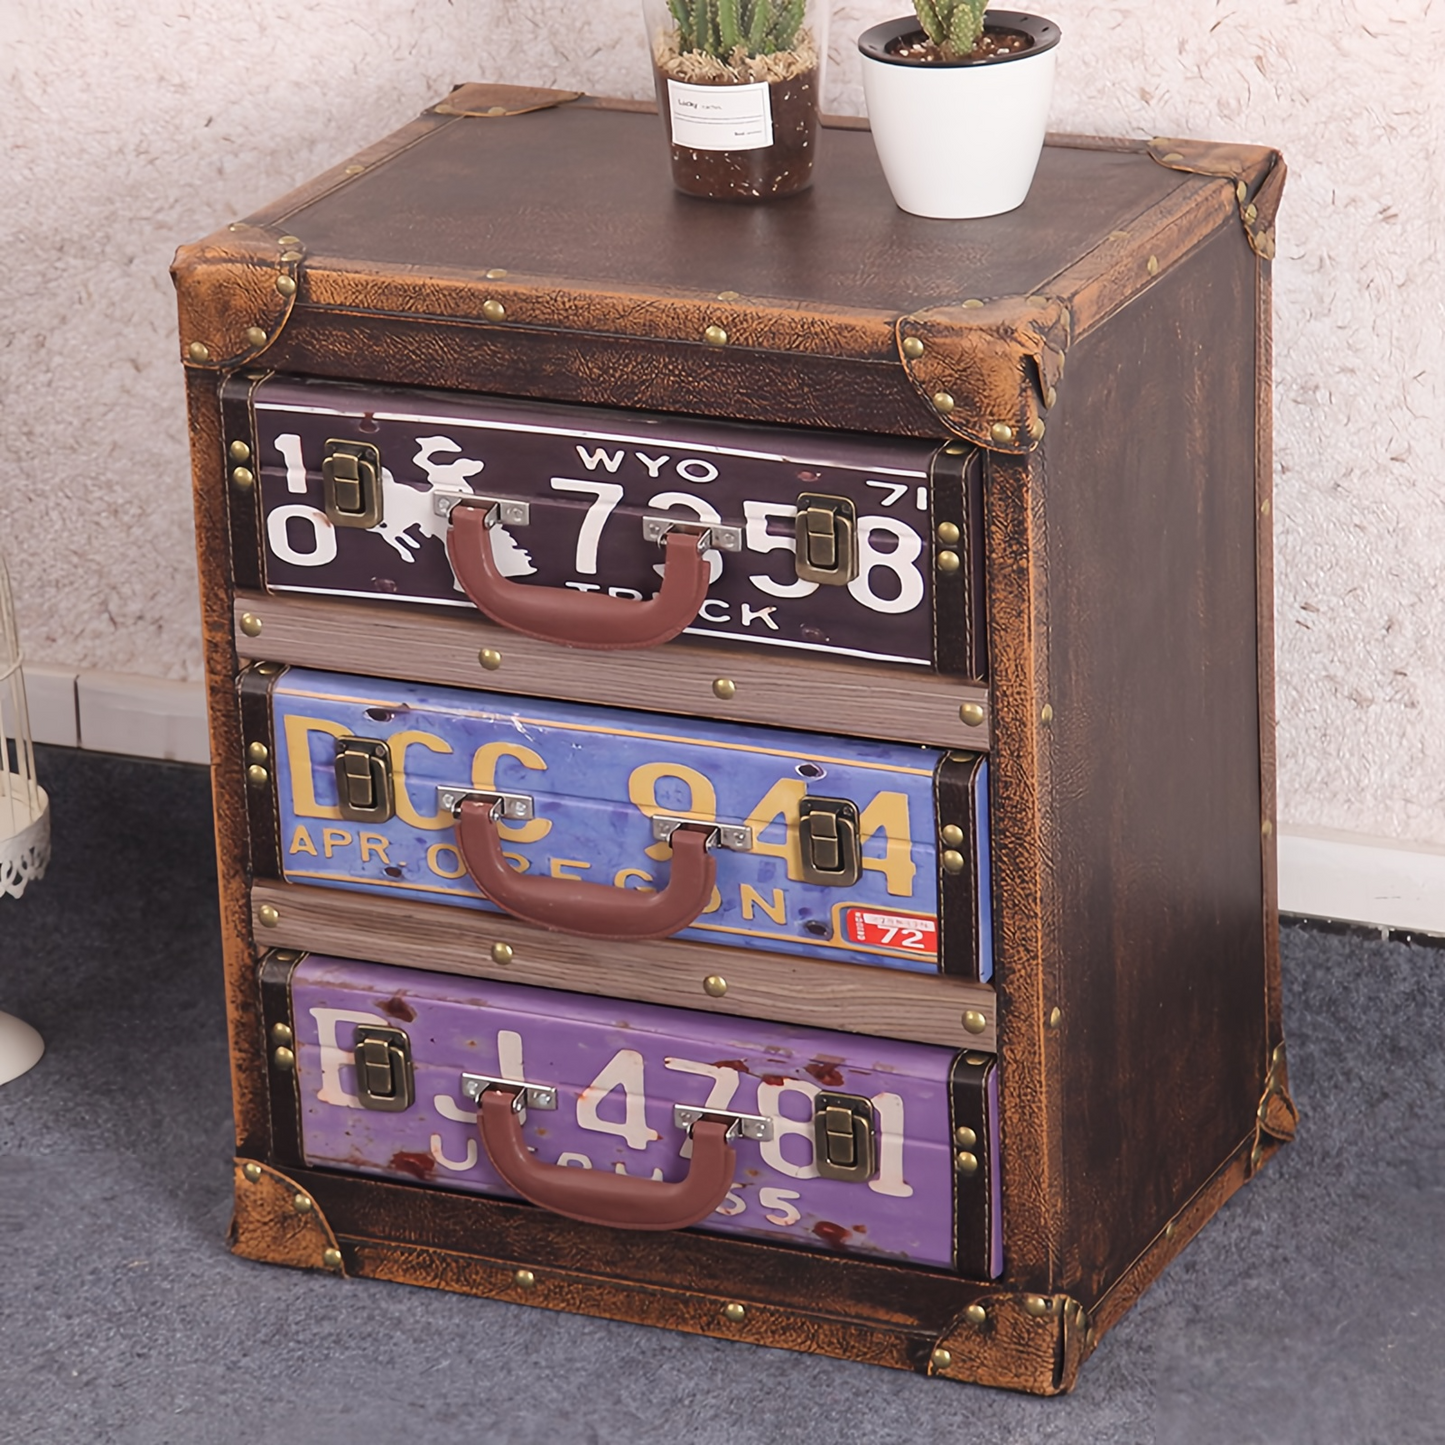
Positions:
{"x": 590, "y": 910}
{"x": 578, "y": 619}
{"x": 598, "y": 1196}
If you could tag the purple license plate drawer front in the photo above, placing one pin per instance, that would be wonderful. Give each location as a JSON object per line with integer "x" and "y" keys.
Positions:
{"x": 590, "y": 477}
{"x": 595, "y": 778}
{"x": 619, "y": 1068}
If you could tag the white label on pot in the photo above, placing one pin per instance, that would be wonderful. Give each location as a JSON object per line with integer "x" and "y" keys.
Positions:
{"x": 721, "y": 117}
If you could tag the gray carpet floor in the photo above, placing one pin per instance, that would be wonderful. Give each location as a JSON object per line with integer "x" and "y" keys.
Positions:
{"x": 1311, "y": 1310}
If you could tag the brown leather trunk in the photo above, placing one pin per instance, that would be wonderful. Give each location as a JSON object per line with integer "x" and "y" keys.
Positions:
{"x": 1107, "y": 349}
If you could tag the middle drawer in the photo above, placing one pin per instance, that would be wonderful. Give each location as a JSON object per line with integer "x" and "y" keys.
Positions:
{"x": 623, "y": 825}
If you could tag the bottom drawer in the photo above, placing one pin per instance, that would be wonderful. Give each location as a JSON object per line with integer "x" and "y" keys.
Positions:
{"x": 829, "y": 1141}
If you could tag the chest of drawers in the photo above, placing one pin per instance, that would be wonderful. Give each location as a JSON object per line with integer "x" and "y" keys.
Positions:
{"x": 994, "y": 495}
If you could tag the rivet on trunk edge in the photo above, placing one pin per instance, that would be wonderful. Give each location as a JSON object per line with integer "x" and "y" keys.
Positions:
{"x": 302, "y": 1204}
{"x": 972, "y": 304}
{"x": 255, "y": 336}
{"x": 1056, "y": 1017}
{"x": 198, "y": 351}
{"x": 714, "y": 985}
{"x": 1047, "y": 715}
{"x": 269, "y": 915}
{"x": 1266, "y": 828}
{"x": 496, "y": 273}
{"x": 1001, "y": 432}
{"x": 974, "y": 1021}
{"x": 964, "y": 1137}
{"x": 1036, "y": 1305}
{"x": 965, "y": 1163}
{"x": 252, "y": 1172}
{"x": 250, "y": 624}
{"x": 281, "y": 1034}
{"x": 239, "y": 451}
{"x": 1172, "y": 157}
{"x": 912, "y": 348}
{"x": 940, "y": 1359}
{"x": 949, "y": 562}
{"x": 524, "y": 1279}
{"x": 1153, "y": 266}
{"x": 331, "y": 1258}
{"x": 243, "y": 478}
{"x": 947, "y": 533}
{"x": 490, "y": 658}
{"x": 943, "y": 401}
{"x": 258, "y": 753}
{"x": 971, "y": 714}
{"x": 951, "y": 834}
{"x": 257, "y": 776}
{"x": 494, "y": 311}
{"x": 286, "y": 242}
{"x": 975, "y": 1314}
{"x": 735, "y": 1312}
{"x": 291, "y": 255}
{"x": 285, "y": 285}
{"x": 284, "y": 1060}
{"x": 952, "y": 861}
{"x": 715, "y": 336}
{"x": 725, "y": 688}
{"x": 502, "y": 953}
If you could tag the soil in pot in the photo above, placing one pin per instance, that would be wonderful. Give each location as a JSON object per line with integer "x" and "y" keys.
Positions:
{"x": 780, "y": 169}
{"x": 994, "y": 43}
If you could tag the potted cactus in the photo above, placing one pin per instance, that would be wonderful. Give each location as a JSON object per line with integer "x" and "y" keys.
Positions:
{"x": 958, "y": 100}
{"x": 738, "y": 84}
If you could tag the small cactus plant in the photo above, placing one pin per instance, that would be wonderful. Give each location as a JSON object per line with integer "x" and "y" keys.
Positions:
{"x": 954, "y": 26}
{"x": 720, "y": 27}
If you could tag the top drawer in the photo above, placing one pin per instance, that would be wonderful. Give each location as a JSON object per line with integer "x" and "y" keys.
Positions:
{"x": 560, "y": 520}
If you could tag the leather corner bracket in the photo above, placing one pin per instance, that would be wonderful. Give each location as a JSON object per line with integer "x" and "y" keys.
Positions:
{"x": 498, "y": 101}
{"x": 1033, "y": 1343}
{"x": 988, "y": 369}
{"x": 278, "y": 1222}
{"x": 240, "y": 290}
{"x": 1258, "y": 174}
{"x": 1277, "y": 1117}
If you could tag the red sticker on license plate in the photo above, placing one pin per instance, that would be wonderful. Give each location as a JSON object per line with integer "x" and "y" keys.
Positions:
{"x": 911, "y": 932}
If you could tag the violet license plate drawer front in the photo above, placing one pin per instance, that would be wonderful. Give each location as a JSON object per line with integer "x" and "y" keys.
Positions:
{"x": 595, "y": 777}
{"x": 590, "y": 477}
{"x": 620, "y": 1067}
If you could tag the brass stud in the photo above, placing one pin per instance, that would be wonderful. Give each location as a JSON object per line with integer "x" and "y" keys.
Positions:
{"x": 714, "y": 985}
{"x": 243, "y": 478}
{"x": 281, "y": 1034}
{"x": 258, "y": 753}
{"x": 912, "y": 348}
{"x": 975, "y": 1314}
{"x": 331, "y": 1258}
{"x": 954, "y": 449}
{"x": 354, "y": 170}
{"x": 257, "y": 776}
{"x": 1118, "y": 235}
{"x": 250, "y": 624}
{"x": 1172, "y": 157}
{"x": 286, "y": 242}
{"x": 252, "y": 1172}
{"x": 1153, "y": 266}
{"x": 728, "y": 295}
{"x": 494, "y": 310}
{"x": 715, "y": 336}
{"x": 725, "y": 688}
{"x": 269, "y": 915}
{"x": 496, "y": 110}
{"x": 735, "y": 1313}
{"x": 302, "y": 1204}
{"x": 940, "y": 1359}
{"x": 1090, "y": 1335}
{"x": 239, "y": 451}
{"x": 947, "y": 533}
{"x": 974, "y": 1058}
{"x": 974, "y": 1022}
{"x": 284, "y": 1059}
{"x": 198, "y": 351}
{"x": 964, "y": 1137}
{"x": 490, "y": 658}
{"x": 496, "y": 274}
{"x": 1251, "y": 213}
{"x": 949, "y": 562}
{"x": 971, "y": 713}
{"x": 286, "y": 286}
{"x": 943, "y": 402}
{"x": 1037, "y": 1306}
{"x": 1050, "y": 397}
{"x": 966, "y": 1163}
{"x": 1037, "y": 300}
{"x": 503, "y": 953}
{"x": 1264, "y": 507}
{"x": 1240, "y": 190}
{"x": 1001, "y": 432}
{"x": 1056, "y": 1017}
{"x": 1047, "y": 715}
{"x": 951, "y": 834}
{"x": 524, "y": 1279}
{"x": 1036, "y": 429}
{"x": 972, "y": 304}
{"x": 1170, "y": 1230}
{"x": 1266, "y": 828}
{"x": 952, "y": 860}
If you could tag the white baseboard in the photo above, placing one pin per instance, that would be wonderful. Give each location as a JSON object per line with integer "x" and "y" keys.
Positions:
{"x": 1348, "y": 877}
{"x": 1381, "y": 882}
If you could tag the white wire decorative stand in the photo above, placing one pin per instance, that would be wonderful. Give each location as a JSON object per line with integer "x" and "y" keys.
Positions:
{"x": 24, "y": 818}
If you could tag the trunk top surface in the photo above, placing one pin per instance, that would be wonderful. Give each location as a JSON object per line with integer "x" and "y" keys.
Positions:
{"x": 509, "y": 194}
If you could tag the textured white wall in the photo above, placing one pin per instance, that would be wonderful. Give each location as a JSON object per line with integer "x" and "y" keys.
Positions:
{"x": 124, "y": 131}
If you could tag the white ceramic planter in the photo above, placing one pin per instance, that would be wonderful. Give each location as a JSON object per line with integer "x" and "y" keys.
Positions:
{"x": 959, "y": 140}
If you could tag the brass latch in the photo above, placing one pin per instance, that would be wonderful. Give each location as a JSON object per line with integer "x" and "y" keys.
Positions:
{"x": 351, "y": 477}
{"x": 828, "y": 838}
{"x": 827, "y": 536}
{"x": 384, "y": 1079}
{"x": 845, "y": 1146}
{"x": 363, "y": 780}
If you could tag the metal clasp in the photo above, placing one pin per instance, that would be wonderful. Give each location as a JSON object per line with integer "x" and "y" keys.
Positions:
{"x": 525, "y": 1096}
{"x": 749, "y": 1126}
{"x": 826, "y": 531}
{"x": 709, "y": 534}
{"x": 363, "y": 780}
{"x": 384, "y": 1077}
{"x": 736, "y": 836}
{"x": 844, "y": 1137}
{"x": 828, "y": 836}
{"x": 351, "y": 483}
{"x": 503, "y": 807}
{"x": 501, "y": 511}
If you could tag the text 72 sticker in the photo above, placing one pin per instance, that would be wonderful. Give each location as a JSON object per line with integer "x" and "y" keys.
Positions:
{"x": 911, "y": 932}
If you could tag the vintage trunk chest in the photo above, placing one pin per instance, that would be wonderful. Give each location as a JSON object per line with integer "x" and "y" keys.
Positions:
{"x": 743, "y": 736}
